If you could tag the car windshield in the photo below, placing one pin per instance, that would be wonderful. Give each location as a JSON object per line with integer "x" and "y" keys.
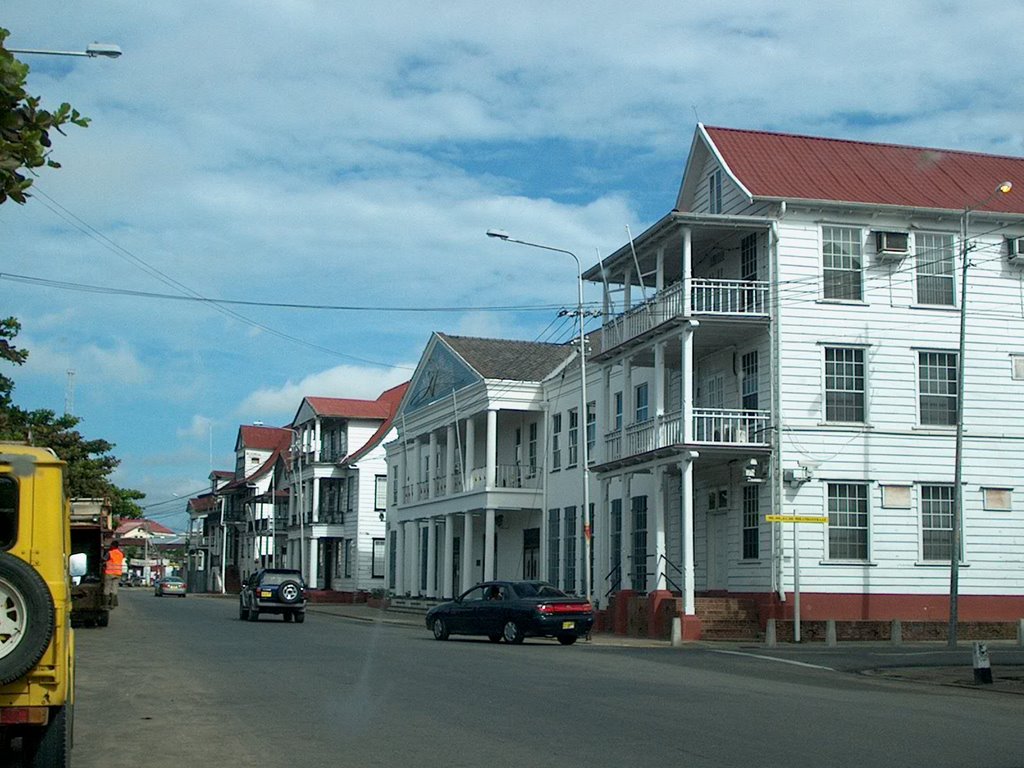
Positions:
{"x": 537, "y": 589}
{"x": 173, "y": 580}
{"x": 272, "y": 578}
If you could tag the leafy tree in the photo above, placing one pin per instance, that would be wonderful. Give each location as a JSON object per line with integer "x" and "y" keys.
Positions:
{"x": 25, "y": 128}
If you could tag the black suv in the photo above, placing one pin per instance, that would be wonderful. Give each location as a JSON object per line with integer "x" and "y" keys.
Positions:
{"x": 273, "y": 590}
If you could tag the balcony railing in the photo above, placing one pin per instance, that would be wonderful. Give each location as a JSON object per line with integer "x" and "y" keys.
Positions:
{"x": 710, "y": 425}
{"x": 746, "y": 298}
{"x": 505, "y": 476}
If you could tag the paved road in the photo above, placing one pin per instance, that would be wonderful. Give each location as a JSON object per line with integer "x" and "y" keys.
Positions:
{"x": 184, "y": 683}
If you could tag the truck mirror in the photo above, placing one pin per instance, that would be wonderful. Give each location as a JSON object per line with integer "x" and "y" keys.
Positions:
{"x": 78, "y": 564}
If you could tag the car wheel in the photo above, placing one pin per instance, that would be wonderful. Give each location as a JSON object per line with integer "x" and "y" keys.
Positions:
{"x": 300, "y": 616}
{"x": 567, "y": 639}
{"x": 54, "y": 745}
{"x": 494, "y": 638}
{"x": 26, "y": 617}
{"x": 254, "y": 614}
{"x": 242, "y": 613}
{"x": 512, "y": 633}
{"x": 440, "y": 629}
{"x": 103, "y": 620}
{"x": 289, "y": 592}
{"x": 287, "y": 616}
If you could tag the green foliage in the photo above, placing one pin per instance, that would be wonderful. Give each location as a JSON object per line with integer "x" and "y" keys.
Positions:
{"x": 25, "y": 128}
{"x": 89, "y": 461}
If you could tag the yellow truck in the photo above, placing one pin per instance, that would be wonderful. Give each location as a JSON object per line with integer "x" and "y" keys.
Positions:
{"x": 37, "y": 648}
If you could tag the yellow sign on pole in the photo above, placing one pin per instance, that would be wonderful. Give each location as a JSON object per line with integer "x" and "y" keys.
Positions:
{"x": 796, "y": 519}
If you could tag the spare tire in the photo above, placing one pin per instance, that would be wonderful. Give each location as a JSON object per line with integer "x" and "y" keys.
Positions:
{"x": 26, "y": 617}
{"x": 289, "y": 592}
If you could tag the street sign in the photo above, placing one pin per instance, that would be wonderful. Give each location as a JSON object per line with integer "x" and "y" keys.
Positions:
{"x": 796, "y": 519}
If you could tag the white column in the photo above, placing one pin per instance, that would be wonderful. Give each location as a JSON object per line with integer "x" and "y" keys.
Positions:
{"x": 686, "y": 363}
{"x": 431, "y": 558}
{"x": 628, "y": 397}
{"x": 686, "y": 270}
{"x": 659, "y": 394}
{"x": 399, "y": 587}
{"x": 660, "y": 499}
{"x": 489, "y": 543}
{"x": 659, "y": 276}
{"x": 470, "y": 456}
{"x": 403, "y": 472}
{"x": 315, "y": 509}
{"x": 431, "y": 461}
{"x": 689, "y": 600}
{"x": 467, "y": 552}
{"x": 312, "y": 563}
{"x": 449, "y": 556}
{"x": 626, "y": 557}
{"x": 492, "y": 449}
{"x": 449, "y": 461}
{"x": 417, "y": 472}
{"x": 413, "y": 536}
{"x": 561, "y": 548}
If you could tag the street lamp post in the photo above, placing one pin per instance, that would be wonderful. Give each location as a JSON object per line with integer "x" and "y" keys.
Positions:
{"x": 958, "y": 463}
{"x": 582, "y": 422}
{"x": 107, "y": 50}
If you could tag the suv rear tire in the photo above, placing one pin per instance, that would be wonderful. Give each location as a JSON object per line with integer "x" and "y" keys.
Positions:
{"x": 25, "y": 602}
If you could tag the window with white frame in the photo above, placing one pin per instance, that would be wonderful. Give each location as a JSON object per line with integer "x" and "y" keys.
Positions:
{"x": 842, "y": 263}
{"x": 640, "y": 414}
{"x": 617, "y": 400}
{"x": 377, "y": 565}
{"x": 848, "y": 521}
{"x": 591, "y": 429}
{"x": 751, "y": 522}
{"x": 556, "y": 438}
{"x": 937, "y": 388}
{"x": 715, "y": 191}
{"x": 1017, "y": 367}
{"x": 380, "y": 492}
{"x": 844, "y": 384}
{"x": 749, "y": 383}
{"x": 936, "y": 283}
{"x": 574, "y": 438}
{"x": 937, "y": 503}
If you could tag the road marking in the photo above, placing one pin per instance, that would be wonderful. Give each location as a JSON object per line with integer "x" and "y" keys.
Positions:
{"x": 773, "y": 658}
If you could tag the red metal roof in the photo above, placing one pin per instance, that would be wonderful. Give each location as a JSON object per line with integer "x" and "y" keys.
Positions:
{"x": 264, "y": 438}
{"x": 390, "y": 399}
{"x": 787, "y": 166}
{"x": 349, "y": 409}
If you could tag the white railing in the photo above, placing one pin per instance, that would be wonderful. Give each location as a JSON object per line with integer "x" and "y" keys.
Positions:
{"x": 717, "y": 425}
{"x": 710, "y": 425}
{"x": 748, "y": 298}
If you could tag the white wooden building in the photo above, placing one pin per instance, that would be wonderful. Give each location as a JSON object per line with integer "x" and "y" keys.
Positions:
{"x": 784, "y": 342}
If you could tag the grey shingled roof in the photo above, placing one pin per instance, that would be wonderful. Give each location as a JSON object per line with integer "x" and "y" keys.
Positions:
{"x": 507, "y": 359}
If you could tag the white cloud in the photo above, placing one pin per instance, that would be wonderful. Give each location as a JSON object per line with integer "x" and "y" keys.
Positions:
{"x": 271, "y": 404}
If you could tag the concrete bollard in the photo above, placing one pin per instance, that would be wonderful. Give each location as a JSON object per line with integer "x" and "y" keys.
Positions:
{"x": 896, "y": 632}
{"x": 677, "y": 631}
{"x": 769, "y": 634}
{"x": 830, "y": 633}
{"x": 982, "y": 667}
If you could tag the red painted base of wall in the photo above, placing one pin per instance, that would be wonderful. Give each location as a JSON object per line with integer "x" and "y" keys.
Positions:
{"x": 332, "y": 596}
{"x": 824, "y": 606}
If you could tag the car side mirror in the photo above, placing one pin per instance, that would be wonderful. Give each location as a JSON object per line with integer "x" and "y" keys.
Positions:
{"x": 78, "y": 564}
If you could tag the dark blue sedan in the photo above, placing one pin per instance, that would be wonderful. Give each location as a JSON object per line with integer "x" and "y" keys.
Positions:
{"x": 513, "y": 611}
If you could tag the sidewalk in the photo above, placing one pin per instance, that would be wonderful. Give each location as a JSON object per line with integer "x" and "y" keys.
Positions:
{"x": 923, "y": 662}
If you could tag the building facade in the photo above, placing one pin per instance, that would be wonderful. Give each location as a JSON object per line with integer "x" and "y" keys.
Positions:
{"x": 785, "y": 342}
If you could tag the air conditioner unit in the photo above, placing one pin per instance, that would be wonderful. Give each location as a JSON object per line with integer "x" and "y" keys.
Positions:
{"x": 1015, "y": 250}
{"x": 892, "y": 245}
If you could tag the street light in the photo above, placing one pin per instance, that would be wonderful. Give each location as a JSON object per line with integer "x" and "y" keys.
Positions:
{"x": 107, "y": 50}
{"x": 582, "y": 423}
{"x": 958, "y": 464}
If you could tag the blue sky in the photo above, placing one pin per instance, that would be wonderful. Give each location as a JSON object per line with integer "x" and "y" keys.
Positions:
{"x": 355, "y": 153}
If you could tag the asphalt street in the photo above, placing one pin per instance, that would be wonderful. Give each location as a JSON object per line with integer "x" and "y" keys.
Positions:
{"x": 178, "y": 682}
